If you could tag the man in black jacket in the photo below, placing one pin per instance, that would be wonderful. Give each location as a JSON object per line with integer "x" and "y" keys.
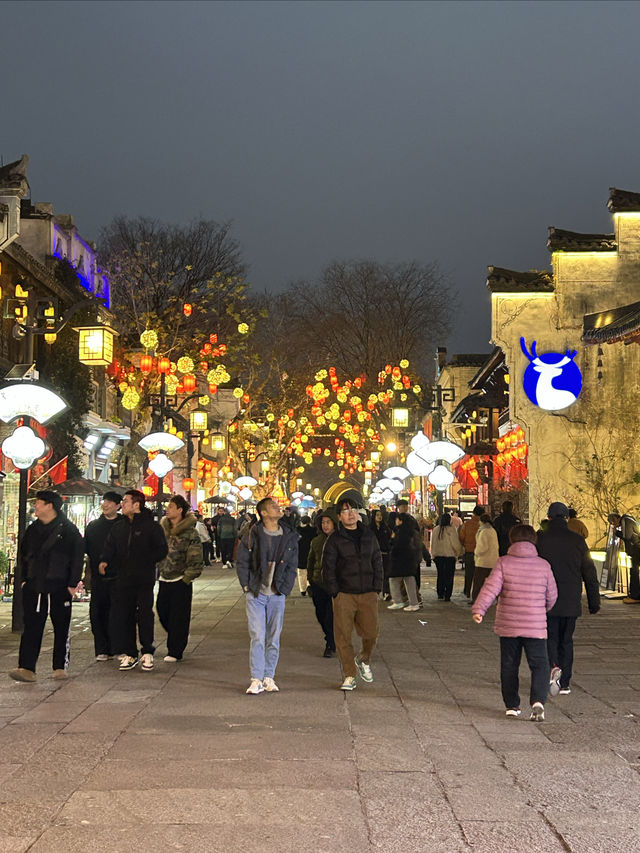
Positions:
{"x": 571, "y": 563}
{"x": 95, "y": 537}
{"x": 352, "y": 573}
{"x": 132, "y": 550}
{"x": 52, "y": 555}
{"x": 503, "y": 524}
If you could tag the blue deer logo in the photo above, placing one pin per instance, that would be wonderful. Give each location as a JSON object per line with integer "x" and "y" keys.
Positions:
{"x": 551, "y": 381}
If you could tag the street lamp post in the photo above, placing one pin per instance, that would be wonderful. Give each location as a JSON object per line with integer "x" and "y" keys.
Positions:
{"x": 20, "y": 402}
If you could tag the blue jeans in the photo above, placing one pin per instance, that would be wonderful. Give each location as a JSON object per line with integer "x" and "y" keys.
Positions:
{"x": 265, "y": 615}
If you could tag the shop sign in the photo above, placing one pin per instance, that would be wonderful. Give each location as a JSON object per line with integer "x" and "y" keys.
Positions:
{"x": 553, "y": 380}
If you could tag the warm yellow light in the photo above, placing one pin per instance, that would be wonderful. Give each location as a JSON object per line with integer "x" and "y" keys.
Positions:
{"x": 51, "y": 338}
{"x": 198, "y": 421}
{"x": 149, "y": 339}
{"x": 375, "y": 456}
{"x": 391, "y": 447}
{"x": 265, "y": 464}
{"x": 95, "y": 346}
{"x": 400, "y": 417}
{"x": 218, "y": 441}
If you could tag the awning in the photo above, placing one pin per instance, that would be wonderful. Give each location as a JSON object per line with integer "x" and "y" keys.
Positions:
{"x": 613, "y": 325}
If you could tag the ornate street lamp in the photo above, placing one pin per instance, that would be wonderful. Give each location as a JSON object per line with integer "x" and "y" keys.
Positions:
{"x": 95, "y": 346}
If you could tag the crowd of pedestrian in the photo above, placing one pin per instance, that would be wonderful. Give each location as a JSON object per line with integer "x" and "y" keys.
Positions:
{"x": 344, "y": 558}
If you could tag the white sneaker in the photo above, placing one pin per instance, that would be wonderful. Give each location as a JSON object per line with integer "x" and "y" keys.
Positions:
{"x": 554, "y": 681}
{"x": 399, "y": 606}
{"x": 537, "y": 712}
{"x": 269, "y": 685}
{"x": 127, "y": 662}
{"x": 102, "y": 657}
{"x": 255, "y": 687}
{"x": 349, "y": 683}
{"x": 412, "y": 607}
{"x": 513, "y": 712}
{"x": 147, "y": 662}
{"x": 365, "y": 671}
{"x": 170, "y": 659}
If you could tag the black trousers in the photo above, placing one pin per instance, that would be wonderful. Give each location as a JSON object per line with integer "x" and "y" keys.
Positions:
{"x": 323, "y": 604}
{"x": 226, "y": 549}
{"x": 36, "y": 607}
{"x": 174, "y": 612}
{"x": 445, "y": 567}
{"x": 101, "y": 615}
{"x": 510, "y": 656}
{"x": 560, "y": 645}
{"x": 469, "y": 569}
{"x": 133, "y": 605}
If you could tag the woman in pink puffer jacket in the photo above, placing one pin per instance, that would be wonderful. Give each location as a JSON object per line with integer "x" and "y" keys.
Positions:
{"x": 526, "y": 588}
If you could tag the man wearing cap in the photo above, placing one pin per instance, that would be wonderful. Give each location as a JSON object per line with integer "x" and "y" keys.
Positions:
{"x": 95, "y": 537}
{"x": 51, "y": 558}
{"x": 571, "y": 563}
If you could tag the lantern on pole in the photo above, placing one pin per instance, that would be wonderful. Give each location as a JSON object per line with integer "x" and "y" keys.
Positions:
{"x": 95, "y": 345}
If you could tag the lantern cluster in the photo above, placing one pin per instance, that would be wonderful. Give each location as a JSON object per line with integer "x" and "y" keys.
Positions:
{"x": 511, "y": 448}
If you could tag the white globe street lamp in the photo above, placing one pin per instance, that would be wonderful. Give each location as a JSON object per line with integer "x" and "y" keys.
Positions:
{"x": 23, "y": 447}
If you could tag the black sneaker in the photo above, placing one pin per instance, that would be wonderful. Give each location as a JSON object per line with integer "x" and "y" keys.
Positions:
{"x": 328, "y": 652}
{"x": 128, "y": 662}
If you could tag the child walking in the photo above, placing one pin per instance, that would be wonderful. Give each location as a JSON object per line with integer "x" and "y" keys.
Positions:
{"x": 527, "y": 589}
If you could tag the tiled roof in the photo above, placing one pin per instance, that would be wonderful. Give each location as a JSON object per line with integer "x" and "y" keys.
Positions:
{"x": 621, "y": 201}
{"x": 617, "y": 324}
{"x": 572, "y": 241}
{"x": 501, "y": 280}
{"x": 469, "y": 359}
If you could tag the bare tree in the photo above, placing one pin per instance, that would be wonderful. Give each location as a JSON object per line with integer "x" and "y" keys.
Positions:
{"x": 364, "y": 314}
{"x": 155, "y": 268}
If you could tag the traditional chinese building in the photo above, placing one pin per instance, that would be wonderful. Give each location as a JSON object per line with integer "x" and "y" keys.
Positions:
{"x": 567, "y": 340}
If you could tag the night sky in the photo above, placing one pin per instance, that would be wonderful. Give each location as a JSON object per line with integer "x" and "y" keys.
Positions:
{"x": 454, "y": 132}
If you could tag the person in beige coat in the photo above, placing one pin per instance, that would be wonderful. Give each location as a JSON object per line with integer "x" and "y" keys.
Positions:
{"x": 445, "y": 549}
{"x": 485, "y": 554}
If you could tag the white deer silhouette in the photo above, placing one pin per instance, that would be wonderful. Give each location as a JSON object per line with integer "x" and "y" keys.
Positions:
{"x": 548, "y": 397}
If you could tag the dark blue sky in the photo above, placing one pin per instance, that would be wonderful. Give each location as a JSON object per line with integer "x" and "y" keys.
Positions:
{"x": 454, "y": 132}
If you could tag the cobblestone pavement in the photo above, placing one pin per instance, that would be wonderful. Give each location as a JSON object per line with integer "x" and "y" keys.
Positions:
{"x": 423, "y": 759}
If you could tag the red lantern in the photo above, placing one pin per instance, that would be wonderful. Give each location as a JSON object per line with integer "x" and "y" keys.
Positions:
{"x": 500, "y": 445}
{"x": 187, "y": 309}
{"x": 146, "y": 364}
{"x": 164, "y": 365}
{"x": 188, "y": 484}
{"x": 212, "y": 388}
{"x": 189, "y": 383}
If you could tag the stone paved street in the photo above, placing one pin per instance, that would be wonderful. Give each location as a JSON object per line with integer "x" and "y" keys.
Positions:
{"x": 421, "y": 760}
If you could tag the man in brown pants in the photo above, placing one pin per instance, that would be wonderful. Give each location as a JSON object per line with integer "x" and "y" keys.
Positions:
{"x": 352, "y": 573}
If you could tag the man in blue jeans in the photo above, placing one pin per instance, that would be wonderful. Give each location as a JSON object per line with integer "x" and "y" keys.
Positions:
{"x": 266, "y": 564}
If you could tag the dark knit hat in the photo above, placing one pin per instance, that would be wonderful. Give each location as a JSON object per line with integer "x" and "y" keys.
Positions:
{"x": 558, "y": 510}
{"x": 50, "y": 497}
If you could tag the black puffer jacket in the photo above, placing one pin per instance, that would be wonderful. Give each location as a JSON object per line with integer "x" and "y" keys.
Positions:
{"x": 352, "y": 566}
{"x": 95, "y": 536}
{"x": 133, "y": 549}
{"x": 571, "y": 563}
{"x": 52, "y": 555}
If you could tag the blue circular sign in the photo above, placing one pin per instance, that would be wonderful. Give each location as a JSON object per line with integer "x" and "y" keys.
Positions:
{"x": 552, "y": 381}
